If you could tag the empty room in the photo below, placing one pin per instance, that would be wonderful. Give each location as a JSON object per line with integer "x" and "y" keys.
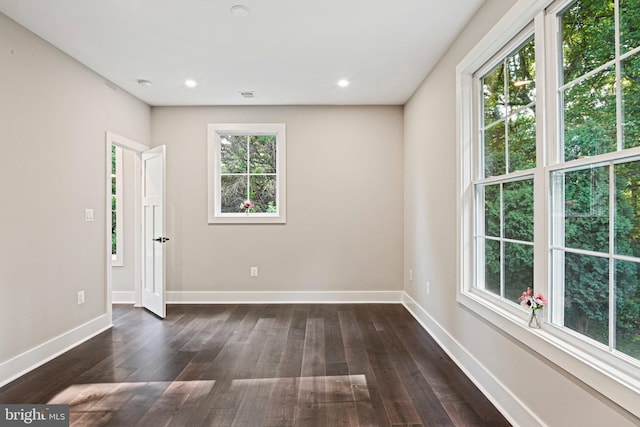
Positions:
{"x": 295, "y": 213}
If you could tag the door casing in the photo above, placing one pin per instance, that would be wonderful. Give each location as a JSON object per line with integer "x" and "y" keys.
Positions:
{"x": 138, "y": 148}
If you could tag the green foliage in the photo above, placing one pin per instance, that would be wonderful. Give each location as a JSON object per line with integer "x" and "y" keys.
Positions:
{"x": 590, "y": 117}
{"x": 590, "y": 128}
{"x": 248, "y": 172}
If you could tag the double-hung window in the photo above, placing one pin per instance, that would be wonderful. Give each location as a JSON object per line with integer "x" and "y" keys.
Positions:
{"x": 549, "y": 174}
{"x": 247, "y": 173}
{"x": 595, "y": 174}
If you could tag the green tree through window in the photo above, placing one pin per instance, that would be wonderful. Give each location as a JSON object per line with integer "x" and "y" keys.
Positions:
{"x": 600, "y": 95}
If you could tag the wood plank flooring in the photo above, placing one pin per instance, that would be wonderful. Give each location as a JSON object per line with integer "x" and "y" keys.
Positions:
{"x": 259, "y": 365}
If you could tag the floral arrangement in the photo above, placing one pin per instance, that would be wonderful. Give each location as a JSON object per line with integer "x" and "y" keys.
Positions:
{"x": 246, "y": 205}
{"x": 534, "y": 302}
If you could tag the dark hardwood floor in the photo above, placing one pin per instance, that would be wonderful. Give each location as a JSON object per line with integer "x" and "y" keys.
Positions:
{"x": 260, "y": 365}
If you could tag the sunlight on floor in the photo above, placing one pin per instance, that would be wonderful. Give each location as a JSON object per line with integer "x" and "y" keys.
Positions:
{"x": 89, "y": 403}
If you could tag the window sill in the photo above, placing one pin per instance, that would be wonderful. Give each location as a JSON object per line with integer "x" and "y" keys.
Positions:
{"x": 612, "y": 382}
{"x": 247, "y": 219}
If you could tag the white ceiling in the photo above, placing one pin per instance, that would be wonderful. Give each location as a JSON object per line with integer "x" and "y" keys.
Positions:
{"x": 290, "y": 52}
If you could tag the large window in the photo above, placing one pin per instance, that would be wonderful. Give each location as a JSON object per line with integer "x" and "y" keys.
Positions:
{"x": 549, "y": 195}
{"x": 596, "y": 209}
{"x": 246, "y": 173}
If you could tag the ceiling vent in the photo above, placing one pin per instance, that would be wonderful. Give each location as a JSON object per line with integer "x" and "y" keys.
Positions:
{"x": 248, "y": 93}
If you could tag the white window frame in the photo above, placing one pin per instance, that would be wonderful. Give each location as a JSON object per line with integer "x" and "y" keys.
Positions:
{"x": 616, "y": 378}
{"x": 478, "y": 179}
{"x": 214, "y": 131}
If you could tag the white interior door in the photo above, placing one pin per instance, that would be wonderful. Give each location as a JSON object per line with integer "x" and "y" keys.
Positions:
{"x": 153, "y": 234}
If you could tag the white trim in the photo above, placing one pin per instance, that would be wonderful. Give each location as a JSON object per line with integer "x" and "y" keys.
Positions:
{"x": 512, "y": 408}
{"x": 298, "y": 297}
{"x": 120, "y": 141}
{"x": 123, "y": 297}
{"x": 38, "y": 356}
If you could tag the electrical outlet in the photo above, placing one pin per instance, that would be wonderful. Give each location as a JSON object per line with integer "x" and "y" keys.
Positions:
{"x": 428, "y": 287}
{"x": 254, "y": 272}
{"x": 80, "y": 297}
{"x": 410, "y": 275}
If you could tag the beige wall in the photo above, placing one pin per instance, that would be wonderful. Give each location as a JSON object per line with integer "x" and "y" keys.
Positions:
{"x": 53, "y": 116}
{"x": 344, "y": 203}
{"x": 430, "y": 250}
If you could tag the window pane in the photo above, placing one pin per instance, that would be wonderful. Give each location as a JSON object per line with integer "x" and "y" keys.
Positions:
{"x": 233, "y": 154}
{"x": 262, "y": 154}
{"x": 492, "y": 266}
{"x": 233, "y": 192}
{"x": 518, "y": 270}
{"x": 627, "y": 226}
{"x": 518, "y": 211}
{"x": 586, "y": 224}
{"x": 630, "y": 84}
{"x": 586, "y": 296}
{"x": 263, "y": 193}
{"x": 628, "y": 308}
{"x": 492, "y": 210}
{"x": 590, "y": 116}
{"x": 494, "y": 150}
{"x": 629, "y": 30}
{"x": 493, "y": 95}
{"x": 522, "y": 76}
{"x": 588, "y": 37}
{"x": 522, "y": 140}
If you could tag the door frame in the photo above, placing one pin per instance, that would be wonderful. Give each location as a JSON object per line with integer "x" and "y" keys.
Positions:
{"x": 137, "y": 148}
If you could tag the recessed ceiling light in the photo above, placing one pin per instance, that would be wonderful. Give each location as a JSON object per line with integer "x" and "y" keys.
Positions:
{"x": 144, "y": 83}
{"x": 343, "y": 83}
{"x": 190, "y": 83}
{"x": 240, "y": 10}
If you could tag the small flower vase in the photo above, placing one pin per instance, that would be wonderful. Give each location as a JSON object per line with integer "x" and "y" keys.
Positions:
{"x": 534, "y": 322}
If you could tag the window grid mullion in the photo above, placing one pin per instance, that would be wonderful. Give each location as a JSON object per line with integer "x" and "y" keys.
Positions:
{"x": 619, "y": 128}
{"x": 502, "y": 249}
{"x": 248, "y": 171}
{"x": 612, "y": 262}
{"x": 506, "y": 115}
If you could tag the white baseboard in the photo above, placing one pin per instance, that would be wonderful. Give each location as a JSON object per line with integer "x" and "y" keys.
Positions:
{"x": 31, "y": 359}
{"x": 513, "y": 409}
{"x": 123, "y": 297}
{"x": 284, "y": 297}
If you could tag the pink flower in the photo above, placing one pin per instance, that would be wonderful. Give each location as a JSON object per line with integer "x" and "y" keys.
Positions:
{"x": 534, "y": 302}
{"x": 540, "y": 299}
{"x": 247, "y": 204}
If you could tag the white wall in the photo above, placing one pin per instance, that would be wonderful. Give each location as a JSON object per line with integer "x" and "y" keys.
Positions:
{"x": 344, "y": 210}
{"x": 53, "y": 116}
{"x": 512, "y": 374}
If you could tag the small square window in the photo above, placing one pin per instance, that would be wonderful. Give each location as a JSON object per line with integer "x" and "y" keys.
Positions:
{"x": 247, "y": 173}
